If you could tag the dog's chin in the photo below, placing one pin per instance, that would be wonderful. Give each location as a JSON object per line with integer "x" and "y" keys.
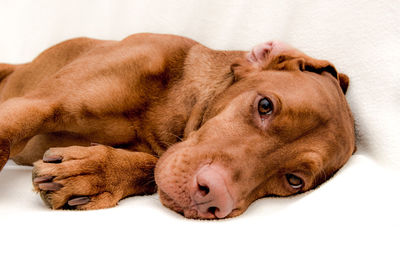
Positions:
{"x": 172, "y": 204}
{"x": 186, "y": 211}
{"x": 168, "y": 202}
{"x": 189, "y": 212}
{"x": 174, "y": 182}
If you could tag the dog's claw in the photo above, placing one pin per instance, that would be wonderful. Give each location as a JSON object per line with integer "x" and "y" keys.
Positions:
{"x": 52, "y": 186}
{"x": 42, "y": 179}
{"x": 52, "y": 159}
{"x": 78, "y": 201}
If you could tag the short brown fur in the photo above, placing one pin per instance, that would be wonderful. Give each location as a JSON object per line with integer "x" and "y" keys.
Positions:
{"x": 151, "y": 93}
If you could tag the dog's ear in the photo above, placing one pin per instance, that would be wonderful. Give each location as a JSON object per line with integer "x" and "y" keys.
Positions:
{"x": 275, "y": 55}
{"x": 286, "y": 63}
{"x": 319, "y": 66}
{"x": 344, "y": 82}
{"x": 254, "y": 60}
{"x": 259, "y": 53}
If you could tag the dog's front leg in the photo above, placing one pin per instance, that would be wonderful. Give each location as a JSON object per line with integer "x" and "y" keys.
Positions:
{"x": 92, "y": 177}
{"x": 21, "y": 118}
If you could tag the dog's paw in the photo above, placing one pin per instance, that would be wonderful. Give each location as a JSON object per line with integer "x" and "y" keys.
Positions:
{"x": 75, "y": 178}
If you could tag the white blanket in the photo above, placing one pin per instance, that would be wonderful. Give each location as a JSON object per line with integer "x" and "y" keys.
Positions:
{"x": 351, "y": 219}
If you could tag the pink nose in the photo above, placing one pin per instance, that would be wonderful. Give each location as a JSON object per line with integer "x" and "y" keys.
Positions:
{"x": 210, "y": 193}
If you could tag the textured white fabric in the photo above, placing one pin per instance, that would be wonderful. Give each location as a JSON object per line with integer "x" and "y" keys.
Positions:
{"x": 352, "y": 219}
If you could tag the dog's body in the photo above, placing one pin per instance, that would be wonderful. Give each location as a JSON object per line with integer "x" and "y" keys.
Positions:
{"x": 144, "y": 94}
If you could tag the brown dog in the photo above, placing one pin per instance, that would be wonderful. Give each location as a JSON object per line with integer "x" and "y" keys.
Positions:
{"x": 235, "y": 126}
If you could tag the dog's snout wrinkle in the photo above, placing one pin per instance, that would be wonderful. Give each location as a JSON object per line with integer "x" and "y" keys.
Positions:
{"x": 196, "y": 204}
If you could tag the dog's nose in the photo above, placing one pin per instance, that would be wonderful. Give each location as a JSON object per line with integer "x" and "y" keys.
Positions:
{"x": 210, "y": 193}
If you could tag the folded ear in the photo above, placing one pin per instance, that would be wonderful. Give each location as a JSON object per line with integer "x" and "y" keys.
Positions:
{"x": 276, "y": 55}
{"x": 319, "y": 66}
{"x": 344, "y": 82}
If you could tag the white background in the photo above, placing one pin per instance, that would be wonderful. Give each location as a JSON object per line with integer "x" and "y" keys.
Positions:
{"x": 352, "y": 219}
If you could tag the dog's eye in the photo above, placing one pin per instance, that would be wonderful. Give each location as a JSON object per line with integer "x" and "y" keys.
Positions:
{"x": 294, "y": 181}
{"x": 265, "y": 106}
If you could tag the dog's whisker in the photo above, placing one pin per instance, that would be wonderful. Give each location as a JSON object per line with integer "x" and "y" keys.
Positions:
{"x": 149, "y": 182}
{"x": 177, "y": 136}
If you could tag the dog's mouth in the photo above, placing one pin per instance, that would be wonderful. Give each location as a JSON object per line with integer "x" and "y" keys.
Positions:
{"x": 202, "y": 193}
{"x": 187, "y": 212}
{"x": 176, "y": 196}
{"x": 191, "y": 212}
{"x": 167, "y": 201}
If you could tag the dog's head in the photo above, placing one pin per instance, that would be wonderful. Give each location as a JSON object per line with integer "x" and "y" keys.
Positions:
{"x": 283, "y": 127}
